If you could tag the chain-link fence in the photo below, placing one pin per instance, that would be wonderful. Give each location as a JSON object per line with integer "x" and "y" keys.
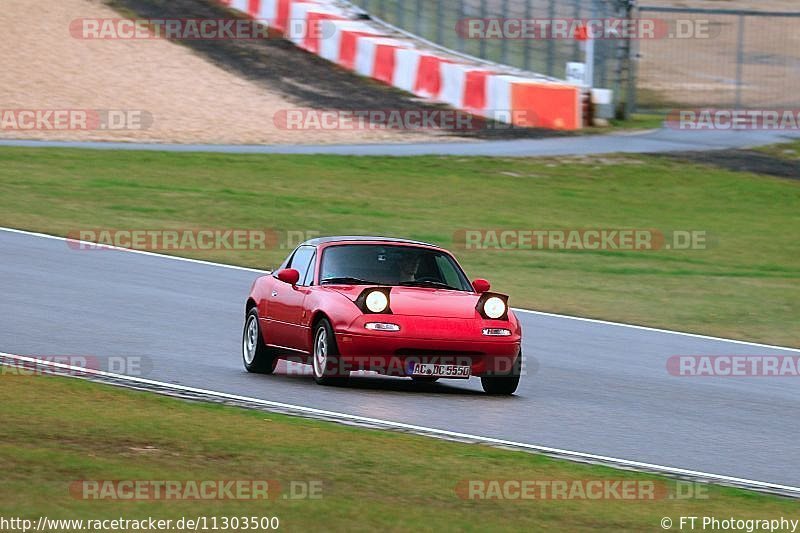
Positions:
{"x": 438, "y": 22}
{"x": 742, "y": 59}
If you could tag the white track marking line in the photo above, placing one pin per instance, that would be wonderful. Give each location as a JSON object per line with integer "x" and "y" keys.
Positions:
{"x": 130, "y": 250}
{"x": 543, "y": 313}
{"x": 658, "y": 330}
{"x": 433, "y": 431}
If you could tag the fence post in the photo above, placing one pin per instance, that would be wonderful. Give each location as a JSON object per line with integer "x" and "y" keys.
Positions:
{"x": 461, "y": 16}
{"x": 739, "y": 63}
{"x": 526, "y": 48}
{"x": 632, "y": 53}
{"x": 482, "y": 51}
{"x": 400, "y": 14}
{"x": 439, "y": 17}
{"x": 576, "y": 48}
{"x": 418, "y": 19}
{"x": 551, "y": 43}
{"x": 504, "y": 42}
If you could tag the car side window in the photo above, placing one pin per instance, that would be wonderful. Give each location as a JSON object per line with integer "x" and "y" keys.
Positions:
{"x": 301, "y": 260}
{"x": 448, "y": 273}
{"x": 309, "y": 279}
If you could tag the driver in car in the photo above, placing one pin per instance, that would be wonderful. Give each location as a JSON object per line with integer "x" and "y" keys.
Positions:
{"x": 408, "y": 267}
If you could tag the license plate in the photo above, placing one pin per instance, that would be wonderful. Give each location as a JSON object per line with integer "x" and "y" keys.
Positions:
{"x": 441, "y": 371}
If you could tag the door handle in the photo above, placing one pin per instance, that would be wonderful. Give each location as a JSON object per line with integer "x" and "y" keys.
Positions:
{"x": 274, "y": 294}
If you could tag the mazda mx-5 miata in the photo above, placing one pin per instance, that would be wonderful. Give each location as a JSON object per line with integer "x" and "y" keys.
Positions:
{"x": 393, "y": 306}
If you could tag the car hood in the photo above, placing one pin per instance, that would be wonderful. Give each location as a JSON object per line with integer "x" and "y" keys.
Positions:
{"x": 422, "y": 301}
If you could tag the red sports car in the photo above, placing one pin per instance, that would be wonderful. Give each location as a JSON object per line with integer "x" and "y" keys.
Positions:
{"x": 393, "y": 306}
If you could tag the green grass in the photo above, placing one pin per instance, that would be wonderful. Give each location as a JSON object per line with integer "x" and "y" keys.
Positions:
{"x": 745, "y": 285}
{"x": 370, "y": 480}
{"x": 786, "y": 152}
{"x": 637, "y": 121}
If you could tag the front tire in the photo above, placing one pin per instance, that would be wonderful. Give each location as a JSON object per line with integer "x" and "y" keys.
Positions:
{"x": 325, "y": 355}
{"x": 503, "y": 385}
{"x": 258, "y": 358}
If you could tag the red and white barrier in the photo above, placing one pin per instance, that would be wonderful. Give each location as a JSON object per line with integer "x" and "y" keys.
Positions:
{"x": 376, "y": 55}
{"x": 428, "y": 82}
{"x": 406, "y": 64}
{"x": 308, "y": 24}
{"x": 498, "y": 92}
{"x": 330, "y": 47}
{"x": 276, "y": 13}
{"x": 464, "y": 86}
{"x": 553, "y": 106}
{"x": 263, "y": 9}
{"x": 348, "y": 47}
{"x": 240, "y": 5}
{"x": 531, "y": 103}
{"x": 322, "y": 28}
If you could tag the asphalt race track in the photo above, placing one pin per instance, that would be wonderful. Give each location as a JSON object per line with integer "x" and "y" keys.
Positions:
{"x": 662, "y": 140}
{"x": 592, "y": 387}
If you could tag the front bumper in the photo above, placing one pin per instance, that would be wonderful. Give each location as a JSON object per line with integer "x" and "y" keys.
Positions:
{"x": 427, "y": 340}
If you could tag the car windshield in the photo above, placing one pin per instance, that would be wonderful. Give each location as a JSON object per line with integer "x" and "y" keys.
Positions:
{"x": 367, "y": 264}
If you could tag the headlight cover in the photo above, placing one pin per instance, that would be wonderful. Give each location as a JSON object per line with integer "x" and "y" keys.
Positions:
{"x": 493, "y": 306}
{"x": 374, "y": 300}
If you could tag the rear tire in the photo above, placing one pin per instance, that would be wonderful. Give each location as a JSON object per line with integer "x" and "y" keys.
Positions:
{"x": 258, "y": 358}
{"x": 503, "y": 385}
{"x": 325, "y": 356}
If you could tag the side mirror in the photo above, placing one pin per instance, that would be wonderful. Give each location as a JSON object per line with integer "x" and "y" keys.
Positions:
{"x": 289, "y": 275}
{"x": 481, "y": 285}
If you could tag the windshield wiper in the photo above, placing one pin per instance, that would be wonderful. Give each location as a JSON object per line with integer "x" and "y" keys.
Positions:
{"x": 437, "y": 284}
{"x": 347, "y": 280}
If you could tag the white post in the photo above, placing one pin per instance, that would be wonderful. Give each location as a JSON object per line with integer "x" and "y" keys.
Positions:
{"x": 589, "y": 72}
